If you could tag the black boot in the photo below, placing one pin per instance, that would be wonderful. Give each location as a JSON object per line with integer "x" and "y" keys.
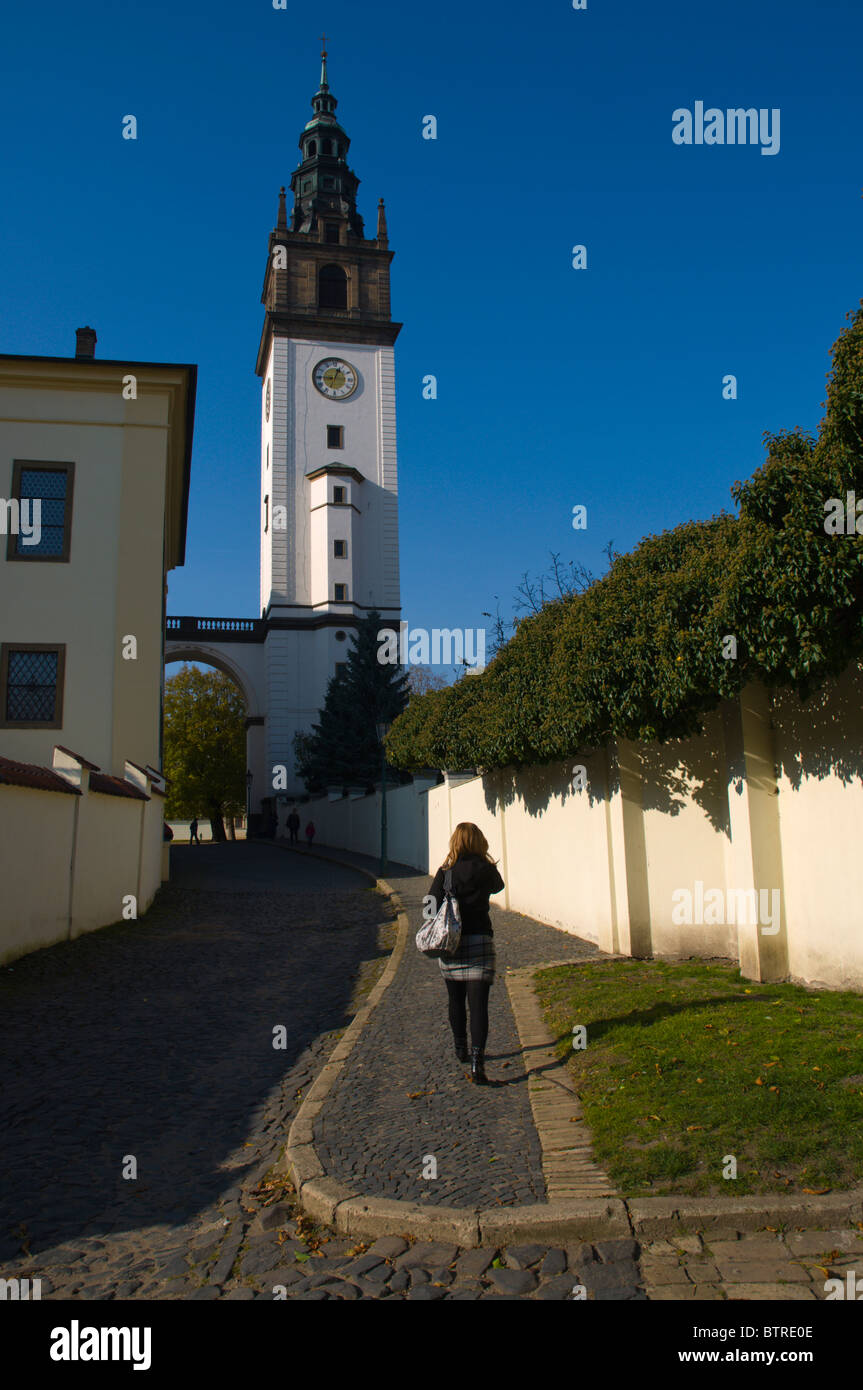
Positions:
{"x": 477, "y": 1067}
{"x": 461, "y": 1049}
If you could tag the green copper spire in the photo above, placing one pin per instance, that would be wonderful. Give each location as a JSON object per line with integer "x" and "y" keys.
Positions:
{"x": 323, "y": 185}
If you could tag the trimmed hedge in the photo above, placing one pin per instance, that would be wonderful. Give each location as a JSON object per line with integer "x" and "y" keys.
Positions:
{"x": 640, "y": 654}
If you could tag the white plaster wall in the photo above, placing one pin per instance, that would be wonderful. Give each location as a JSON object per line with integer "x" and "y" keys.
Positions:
{"x": 819, "y": 746}
{"x": 106, "y": 861}
{"x": 151, "y": 851}
{"x": 35, "y": 853}
{"x": 686, "y": 833}
{"x": 556, "y": 865}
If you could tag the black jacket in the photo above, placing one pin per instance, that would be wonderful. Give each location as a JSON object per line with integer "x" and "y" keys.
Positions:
{"x": 473, "y": 880}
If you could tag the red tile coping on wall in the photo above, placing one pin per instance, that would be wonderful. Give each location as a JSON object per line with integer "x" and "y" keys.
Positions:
{"x": 150, "y": 773}
{"x": 115, "y": 786}
{"x": 91, "y": 767}
{"x": 30, "y": 775}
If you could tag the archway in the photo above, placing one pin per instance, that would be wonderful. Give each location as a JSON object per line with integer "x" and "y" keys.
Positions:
{"x": 177, "y": 655}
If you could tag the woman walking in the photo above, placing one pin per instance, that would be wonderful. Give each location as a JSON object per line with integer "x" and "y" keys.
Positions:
{"x": 470, "y": 971}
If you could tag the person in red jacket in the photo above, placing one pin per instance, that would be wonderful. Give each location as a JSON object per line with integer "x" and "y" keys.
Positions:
{"x": 310, "y": 833}
{"x": 469, "y": 973}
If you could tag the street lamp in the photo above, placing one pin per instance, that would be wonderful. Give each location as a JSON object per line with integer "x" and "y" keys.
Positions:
{"x": 382, "y": 728}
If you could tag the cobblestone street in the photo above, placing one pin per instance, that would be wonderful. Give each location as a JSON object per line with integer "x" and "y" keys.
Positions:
{"x": 153, "y": 1041}
{"x": 403, "y": 1096}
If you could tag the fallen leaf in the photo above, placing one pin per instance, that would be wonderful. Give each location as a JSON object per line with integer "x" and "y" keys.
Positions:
{"x": 817, "y": 1191}
{"x": 758, "y": 1081}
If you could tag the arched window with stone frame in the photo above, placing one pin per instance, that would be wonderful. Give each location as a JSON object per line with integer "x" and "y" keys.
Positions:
{"x": 332, "y": 287}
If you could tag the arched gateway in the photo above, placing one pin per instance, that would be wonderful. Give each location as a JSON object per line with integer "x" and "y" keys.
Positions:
{"x": 329, "y": 478}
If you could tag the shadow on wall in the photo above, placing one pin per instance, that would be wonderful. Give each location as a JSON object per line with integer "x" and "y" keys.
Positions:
{"x": 822, "y": 736}
{"x": 816, "y": 738}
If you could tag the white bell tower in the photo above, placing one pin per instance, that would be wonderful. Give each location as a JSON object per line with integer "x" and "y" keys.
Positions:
{"x": 329, "y": 479}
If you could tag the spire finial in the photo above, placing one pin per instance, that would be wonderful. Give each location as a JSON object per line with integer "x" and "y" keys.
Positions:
{"x": 324, "y": 82}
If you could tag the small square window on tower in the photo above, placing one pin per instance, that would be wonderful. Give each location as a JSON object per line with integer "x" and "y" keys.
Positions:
{"x": 340, "y": 495}
{"x": 340, "y": 550}
{"x": 341, "y": 593}
{"x": 335, "y": 436}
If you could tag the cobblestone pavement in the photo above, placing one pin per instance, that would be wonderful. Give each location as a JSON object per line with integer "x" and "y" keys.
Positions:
{"x": 154, "y": 1040}
{"x": 789, "y": 1266}
{"x": 185, "y": 1078}
{"x": 403, "y": 1098}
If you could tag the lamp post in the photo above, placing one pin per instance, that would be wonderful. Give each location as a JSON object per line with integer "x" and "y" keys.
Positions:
{"x": 248, "y": 801}
{"x": 382, "y": 729}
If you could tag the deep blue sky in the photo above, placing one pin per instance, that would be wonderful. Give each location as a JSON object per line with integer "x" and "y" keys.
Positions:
{"x": 556, "y": 386}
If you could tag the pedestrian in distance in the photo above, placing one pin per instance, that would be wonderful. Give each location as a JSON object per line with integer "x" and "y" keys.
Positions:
{"x": 293, "y": 827}
{"x": 310, "y": 832}
{"x": 193, "y": 832}
{"x": 469, "y": 973}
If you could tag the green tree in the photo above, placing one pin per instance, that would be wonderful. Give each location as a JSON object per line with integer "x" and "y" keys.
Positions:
{"x": 343, "y": 747}
{"x": 205, "y": 747}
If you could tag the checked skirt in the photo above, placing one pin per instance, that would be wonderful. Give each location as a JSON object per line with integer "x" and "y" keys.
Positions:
{"x": 474, "y": 959}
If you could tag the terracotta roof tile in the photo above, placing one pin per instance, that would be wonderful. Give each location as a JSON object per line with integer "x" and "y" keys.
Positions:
{"x": 31, "y": 775}
{"x": 115, "y": 786}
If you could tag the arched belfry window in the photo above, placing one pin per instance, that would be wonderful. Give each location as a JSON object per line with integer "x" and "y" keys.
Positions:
{"x": 313, "y": 149}
{"x": 332, "y": 287}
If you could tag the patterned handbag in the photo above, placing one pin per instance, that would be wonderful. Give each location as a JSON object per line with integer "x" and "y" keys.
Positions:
{"x": 442, "y": 935}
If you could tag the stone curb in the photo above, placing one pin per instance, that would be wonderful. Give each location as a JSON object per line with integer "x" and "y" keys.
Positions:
{"x": 659, "y": 1216}
{"x": 567, "y": 1151}
{"x": 556, "y": 1222}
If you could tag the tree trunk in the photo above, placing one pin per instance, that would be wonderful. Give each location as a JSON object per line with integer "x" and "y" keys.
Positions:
{"x": 229, "y": 826}
{"x": 217, "y": 825}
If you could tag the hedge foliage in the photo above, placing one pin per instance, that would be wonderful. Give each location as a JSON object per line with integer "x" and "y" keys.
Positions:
{"x": 640, "y": 654}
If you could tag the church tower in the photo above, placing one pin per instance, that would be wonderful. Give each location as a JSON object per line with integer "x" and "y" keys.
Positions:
{"x": 329, "y": 487}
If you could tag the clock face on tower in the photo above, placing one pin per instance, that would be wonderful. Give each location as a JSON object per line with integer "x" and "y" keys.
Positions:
{"x": 335, "y": 378}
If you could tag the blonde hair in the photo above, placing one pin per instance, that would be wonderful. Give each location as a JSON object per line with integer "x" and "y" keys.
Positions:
{"x": 467, "y": 838}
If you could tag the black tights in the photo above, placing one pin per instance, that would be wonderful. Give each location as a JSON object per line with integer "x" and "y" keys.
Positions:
{"x": 475, "y": 993}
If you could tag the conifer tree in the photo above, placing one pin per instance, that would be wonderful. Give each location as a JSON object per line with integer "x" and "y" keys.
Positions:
{"x": 343, "y": 748}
